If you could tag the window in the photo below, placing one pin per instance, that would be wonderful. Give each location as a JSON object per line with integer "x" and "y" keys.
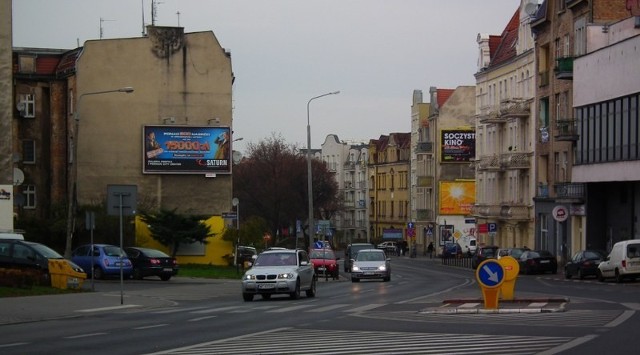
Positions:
{"x": 27, "y": 105}
{"x": 29, "y": 151}
{"x": 580, "y": 36}
{"x": 29, "y": 192}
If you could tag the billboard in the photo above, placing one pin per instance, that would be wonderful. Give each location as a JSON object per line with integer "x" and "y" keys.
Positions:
{"x": 186, "y": 150}
{"x": 457, "y": 197}
{"x": 457, "y": 145}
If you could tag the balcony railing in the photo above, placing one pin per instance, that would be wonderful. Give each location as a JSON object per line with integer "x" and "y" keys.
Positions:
{"x": 515, "y": 160}
{"x": 424, "y": 147}
{"x": 493, "y": 117}
{"x": 570, "y": 190}
{"x": 566, "y": 130}
{"x": 515, "y": 108}
{"x": 564, "y": 68}
{"x": 488, "y": 162}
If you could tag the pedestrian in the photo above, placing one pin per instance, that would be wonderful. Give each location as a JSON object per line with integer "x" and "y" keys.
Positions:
{"x": 430, "y": 250}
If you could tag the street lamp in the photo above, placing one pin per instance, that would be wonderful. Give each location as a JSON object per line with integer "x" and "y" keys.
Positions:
{"x": 73, "y": 166}
{"x": 309, "y": 177}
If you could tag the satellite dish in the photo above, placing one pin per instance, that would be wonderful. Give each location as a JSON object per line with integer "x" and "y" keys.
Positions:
{"x": 235, "y": 201}
{"x": 531, "y": 8}
{"x": 18, "y": 177}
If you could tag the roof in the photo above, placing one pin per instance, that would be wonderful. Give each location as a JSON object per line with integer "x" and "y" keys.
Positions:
{"x": 506, "y": 49}
{"x": 443, "y": 95}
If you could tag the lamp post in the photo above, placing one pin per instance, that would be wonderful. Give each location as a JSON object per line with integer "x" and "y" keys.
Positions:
{"x": 236, "y": 203}
{"x": 309, "y": 177}
{"x": 73, "y": 165}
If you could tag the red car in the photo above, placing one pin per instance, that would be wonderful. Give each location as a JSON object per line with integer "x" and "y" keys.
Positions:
{"x": 325, "y": 263}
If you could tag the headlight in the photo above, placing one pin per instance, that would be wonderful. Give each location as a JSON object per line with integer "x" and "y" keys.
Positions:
{"x": 382, "y": 268}
{"x": 249, "y": 277}
{"x": 286, "y": 276}
{"x": 355, "y": 268}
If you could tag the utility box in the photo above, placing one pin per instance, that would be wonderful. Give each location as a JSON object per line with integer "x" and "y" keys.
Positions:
{"x": 63, "y": 276}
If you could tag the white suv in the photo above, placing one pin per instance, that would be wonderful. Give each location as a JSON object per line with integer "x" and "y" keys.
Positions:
{"x": 282, "y": 271}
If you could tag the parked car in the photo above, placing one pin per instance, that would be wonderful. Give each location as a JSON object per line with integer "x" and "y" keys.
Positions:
{"x": 389, "y": 247}
{"x": 351, "y": 252}
{"x": 284, "y": 271}
{"x": 623, "y": 262}
{"x": 151, "y": 262}
{"x": 246, "y": 254}
{"x": 483, "y": 253}
{"x": 513, "y": 252}
{"x": 371, "y": 264}
{"x": 325, "y": 263}
{"x": 25, "y": 255}
{"x": 584, "y": 263}
{"x": 537, "y": 261}
{"x": 451, "y": 250}
{"x": 105, "y": 260}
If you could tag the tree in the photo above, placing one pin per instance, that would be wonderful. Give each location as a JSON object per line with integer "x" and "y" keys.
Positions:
{"x": 171, "y": 229}
{"x": 251, "y": 232}
{"x": 271, "y": 182}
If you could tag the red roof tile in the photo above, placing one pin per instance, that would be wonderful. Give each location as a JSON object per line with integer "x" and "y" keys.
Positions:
{"x": 506, "y": 50}
{"x": 443, "y": 96}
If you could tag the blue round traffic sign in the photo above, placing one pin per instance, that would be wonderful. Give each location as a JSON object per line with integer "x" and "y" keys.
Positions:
{"x": 490, "y": 273}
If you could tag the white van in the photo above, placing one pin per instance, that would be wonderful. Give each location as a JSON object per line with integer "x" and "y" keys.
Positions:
{"x": 468, "y": 244}
{"x": 7, "y": 235}
{"x": 622, "y": 263}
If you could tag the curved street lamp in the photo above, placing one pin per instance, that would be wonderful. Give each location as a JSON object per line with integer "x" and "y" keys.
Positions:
{"x": 73, "y": 166}
{"x": 309, "y": 176}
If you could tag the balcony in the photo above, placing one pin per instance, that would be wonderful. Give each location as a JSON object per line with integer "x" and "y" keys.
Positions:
{"x": 564, "y": 68}
{"x": 504, "y": 211}
{"x": 543, "y": 78}
{"x": 424, "y": 147}
{"x": 493, "y": 117}
{"x": 349, "y": 165}
{"x": 566, "y": 130}
{"x": 488, "y": 162}
{"x": 515, "y": 161}
{"x": 424, "y": 215}
{"x": 570, "y": 191}
{"x": 511, "y": 108}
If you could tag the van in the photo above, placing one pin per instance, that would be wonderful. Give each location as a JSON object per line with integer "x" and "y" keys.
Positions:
{"x": 622, "y": 263}
{"x": 9, "y": 235}
{"x": 351, "y": 251}
{"x": 469, "y": 244}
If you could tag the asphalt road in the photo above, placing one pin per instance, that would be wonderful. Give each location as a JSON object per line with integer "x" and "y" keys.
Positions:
{"x": 414, "y": 313}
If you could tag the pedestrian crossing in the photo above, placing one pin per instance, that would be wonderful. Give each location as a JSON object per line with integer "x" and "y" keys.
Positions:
{"x": 312, "y": 341}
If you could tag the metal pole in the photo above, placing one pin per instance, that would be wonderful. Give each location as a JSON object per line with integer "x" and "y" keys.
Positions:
{"x": 309, "y": 176}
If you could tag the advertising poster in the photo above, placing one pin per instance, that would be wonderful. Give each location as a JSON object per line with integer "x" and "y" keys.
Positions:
{"x": 457, "y": 197}
{"x": 186, "y": 150}
{"x": 458, "y": 145}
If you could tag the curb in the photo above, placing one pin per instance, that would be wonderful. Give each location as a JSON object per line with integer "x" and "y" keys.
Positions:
{"x": 454, "y": 306}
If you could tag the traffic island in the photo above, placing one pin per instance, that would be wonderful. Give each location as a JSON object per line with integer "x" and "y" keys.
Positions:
{"x": 476, "y": 306}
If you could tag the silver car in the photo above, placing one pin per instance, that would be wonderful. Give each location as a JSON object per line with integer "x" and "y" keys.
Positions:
{"x": 371, "y": 264}
{"x": 282, "y": 271}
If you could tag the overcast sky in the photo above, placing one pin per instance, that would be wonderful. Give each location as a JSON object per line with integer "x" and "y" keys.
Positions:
{"x": 284, "y": 52}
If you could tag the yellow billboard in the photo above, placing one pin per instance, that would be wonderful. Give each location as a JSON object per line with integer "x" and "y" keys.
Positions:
{"x": 457, "y": 197}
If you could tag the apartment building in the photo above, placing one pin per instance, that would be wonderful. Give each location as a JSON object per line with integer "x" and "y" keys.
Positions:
{"x": 505, "y": 134}
{"x": 348, "y": 161}
{"x": 422, "y": 174}
{"x": 560, "y": 33}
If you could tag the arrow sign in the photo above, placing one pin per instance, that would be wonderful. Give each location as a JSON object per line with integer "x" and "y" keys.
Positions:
{"x": 490, "y": 273}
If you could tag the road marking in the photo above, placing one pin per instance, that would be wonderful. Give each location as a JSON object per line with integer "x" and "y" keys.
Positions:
{"x": 537, "y": 304}
{"x": 201, "y": 318}
{"x": 11, "y": 344}
{"x": 469, "y": 305}
{"x": 151, "y": 326}
{"x": 634, "y": 306}
{"x": 107, "y": 308}
{"x": 365, "y": 308}
{"x": 85, "y": 335}
{"x": 328, "y": 308}
{"x": 175, "y": 310}
{"x": 211, "y": 310}
{"x": 288, "y": 309}
{"x": 623, "y": 317}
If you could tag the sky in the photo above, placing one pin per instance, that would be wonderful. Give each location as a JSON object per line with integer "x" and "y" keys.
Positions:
{"x": 285, "y": 52}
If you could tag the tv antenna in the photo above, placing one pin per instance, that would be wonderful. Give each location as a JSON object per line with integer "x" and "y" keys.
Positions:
{"x": 101, "y": 29}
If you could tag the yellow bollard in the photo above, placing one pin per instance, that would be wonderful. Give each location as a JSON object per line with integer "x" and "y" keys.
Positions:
{"x": 511, "y": 271}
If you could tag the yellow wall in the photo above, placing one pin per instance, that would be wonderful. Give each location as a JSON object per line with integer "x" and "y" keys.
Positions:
{"x": 215, "y": 250}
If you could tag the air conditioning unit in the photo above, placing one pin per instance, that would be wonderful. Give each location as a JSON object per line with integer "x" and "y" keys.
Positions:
{"x": 22, "y": 108}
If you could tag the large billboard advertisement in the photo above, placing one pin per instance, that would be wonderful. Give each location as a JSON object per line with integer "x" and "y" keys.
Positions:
{"x": 458, "y": 145}
{"x": 457, "y": 197}
{"x": 186, "y": 150}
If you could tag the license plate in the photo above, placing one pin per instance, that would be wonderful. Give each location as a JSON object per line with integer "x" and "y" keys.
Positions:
{"x": 167, "y": 269}
{"x": 544, "y": 261}
{"x": 266, "y": 286}
{"x": 368, "y": 273}
{"x": 321, "y": 269}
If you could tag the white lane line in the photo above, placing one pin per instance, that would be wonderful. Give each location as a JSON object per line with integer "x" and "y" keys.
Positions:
{"x": 621, "y": 319}
{"x": 175, "y": 310}
{"x": 11, "y": 344}
{"x": 469, "y": 305}
{"x": 364, "y": 308}
{"x": 572, "y": 344}
{"x": 328, "y": 308}
{"x": 211, "y": 310}
{"x": 288, "y": 309}
{"x": 201, "y": 318}
{"x": 85, "y": 335}
{"x": 107, "y": 308}
{"x": 151, "y": 326}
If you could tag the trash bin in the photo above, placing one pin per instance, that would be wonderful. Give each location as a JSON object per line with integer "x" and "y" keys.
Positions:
{"x": 63, "y": 276}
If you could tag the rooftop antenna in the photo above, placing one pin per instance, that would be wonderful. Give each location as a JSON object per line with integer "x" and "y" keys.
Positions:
{"x": 178, "y": 13}
{"x": 101, "y": 30}
{"x": 144, "y": 33}
{"x": 154, "y": 11}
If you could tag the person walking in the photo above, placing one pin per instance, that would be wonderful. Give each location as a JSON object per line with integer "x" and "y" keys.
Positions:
{"x": 430, "y": 250}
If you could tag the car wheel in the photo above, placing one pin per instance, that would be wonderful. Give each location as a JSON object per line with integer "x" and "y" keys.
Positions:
{"x": 312, "y": 291}
{"x": 567, "y": 273}
{"x": 600, "y": 276}
{"x": 580, "y": 274}
{"x": 165, "y": 277}
{"x": 355, "y": 279}
{"x": 619, "y": 278}
{"x": 247, "y": 297}
{"x": 295, "y": 294}
{"x": 98, "y": 274}
{"x": 137, "y": 273}
{"x": 266, "y": 296}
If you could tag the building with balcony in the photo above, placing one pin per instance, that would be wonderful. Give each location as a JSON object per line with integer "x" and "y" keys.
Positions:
{"x": 348, "y": 161}
{"x": 422, "y": 174}
{"x": 561, "y": 30}
{"x": 388, "y": 182}
{"x": 505, "y": 136}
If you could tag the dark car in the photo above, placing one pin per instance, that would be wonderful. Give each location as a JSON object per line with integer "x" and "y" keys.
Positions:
{"x": 483, "y": 253}
{"x": 105, "y": 260}
{"x": 151, "y": 262}
{"x": 451, "y": 250}
{"x": 513, "y": 252}
{"x": 24, "y": 255}
{"x": 537, "y": 261}
{"x": 584, "y": 263}
{"x": 246, "y": 254}
{"x": 325, "y": 262}
{"x": 351, "y": 252}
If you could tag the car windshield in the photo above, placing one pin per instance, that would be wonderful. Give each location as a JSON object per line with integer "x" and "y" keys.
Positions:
{"x": 112, "y": 251}
{"x": 369, "y": 256}
{"x": 153, "y": 253}
{"x": 276, "y": 259}
{"x": 544, "y": 254}
{"x": 593, "y": 255}
{"x": 323, "y": 254}
{"x": 46, "y": 251}
{"x": 516, "y": 253}
{"x": 490, "y": 252}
